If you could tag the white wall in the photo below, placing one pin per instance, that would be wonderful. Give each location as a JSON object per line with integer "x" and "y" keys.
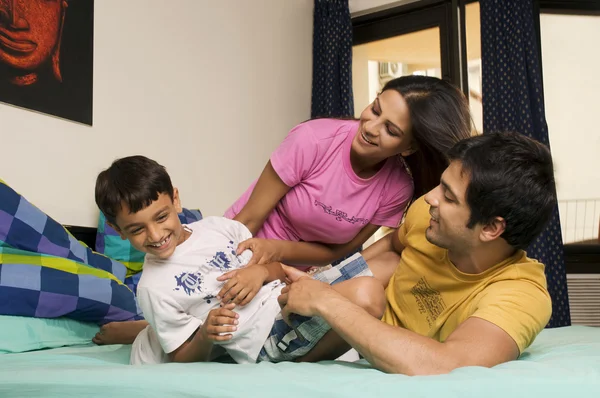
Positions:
{"x": 571, "y": 86}
{"x": 362, "y": 7}
{"x": 361, "y": 78}
{"x": 206, "y": 88}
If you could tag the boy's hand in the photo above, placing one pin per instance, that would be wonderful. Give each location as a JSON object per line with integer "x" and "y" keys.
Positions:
{"x": 242, "y": 284}
{"x": 219, "y": 324}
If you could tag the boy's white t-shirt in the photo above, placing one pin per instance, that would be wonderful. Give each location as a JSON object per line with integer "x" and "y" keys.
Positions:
{"x": 176, "y": 294}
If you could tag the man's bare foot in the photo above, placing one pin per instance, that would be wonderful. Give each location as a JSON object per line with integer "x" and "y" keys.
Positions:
{"x": 119, "y": 332}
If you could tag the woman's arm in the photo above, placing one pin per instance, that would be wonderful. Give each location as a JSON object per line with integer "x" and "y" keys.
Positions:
{"x": 268, "y": 191}
{"x": 389, "y": 243}
{"x": 303, "y": 253}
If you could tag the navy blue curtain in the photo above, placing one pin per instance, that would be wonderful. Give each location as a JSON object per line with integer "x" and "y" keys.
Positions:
{"x": 513, "y": 99}
{"x": 332, "y": 60}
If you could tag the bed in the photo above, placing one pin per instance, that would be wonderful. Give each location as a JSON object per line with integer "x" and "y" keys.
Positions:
{"x": 46, "y": 350}
{"x": 562, "y": 362}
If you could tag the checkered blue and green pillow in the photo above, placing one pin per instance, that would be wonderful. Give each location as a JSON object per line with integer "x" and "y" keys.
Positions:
{"x": 45, "y": 272}
{"x": 110, "y": 243}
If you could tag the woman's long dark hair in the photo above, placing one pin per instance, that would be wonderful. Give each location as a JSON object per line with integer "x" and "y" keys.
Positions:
{"x": 440, "y": 117}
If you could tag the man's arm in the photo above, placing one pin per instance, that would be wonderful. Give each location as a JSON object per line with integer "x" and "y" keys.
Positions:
{"x": 475, "y": 342}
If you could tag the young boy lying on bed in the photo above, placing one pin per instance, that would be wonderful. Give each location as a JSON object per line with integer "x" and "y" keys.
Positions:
{"x": 194, "y": 291}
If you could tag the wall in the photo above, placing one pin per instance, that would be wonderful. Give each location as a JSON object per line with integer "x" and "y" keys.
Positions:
{"x": 206, "y": 88}
{"x": 365, "y": 78}
{"x": 362, "y": 7}
{"x": 571, "y": 84}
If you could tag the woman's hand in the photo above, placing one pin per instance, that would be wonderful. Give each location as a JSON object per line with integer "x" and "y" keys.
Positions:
{"x": 264, "y": 251}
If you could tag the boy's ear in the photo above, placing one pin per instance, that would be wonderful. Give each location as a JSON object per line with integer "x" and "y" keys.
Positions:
{"x": 493, "y": 230}
{"x": 116, "y": 228}
{"x": 177, "y": 201}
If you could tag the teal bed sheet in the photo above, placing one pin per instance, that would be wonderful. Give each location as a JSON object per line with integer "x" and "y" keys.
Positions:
{"x": 562, "y": 362}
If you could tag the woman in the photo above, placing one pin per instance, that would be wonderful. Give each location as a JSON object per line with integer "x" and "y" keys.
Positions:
{"x": 336, "y": 182}
{"x": 332, "y": 183}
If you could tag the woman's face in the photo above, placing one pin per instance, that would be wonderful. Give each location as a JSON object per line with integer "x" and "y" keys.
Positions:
{"x": 385, "y": 128}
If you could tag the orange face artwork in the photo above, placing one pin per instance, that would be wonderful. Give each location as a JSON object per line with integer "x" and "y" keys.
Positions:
{"x": 30, "y": 35}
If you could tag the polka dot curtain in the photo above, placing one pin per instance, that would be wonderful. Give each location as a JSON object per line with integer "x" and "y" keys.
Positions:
{"x": 332, "y": 60}
{"x": 513, "y": 99}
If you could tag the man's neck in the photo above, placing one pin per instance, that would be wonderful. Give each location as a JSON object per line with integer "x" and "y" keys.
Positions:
{"x": 480, "y": 259}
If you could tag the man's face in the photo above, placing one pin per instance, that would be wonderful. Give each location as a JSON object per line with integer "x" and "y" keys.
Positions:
{"x": 155, "y": 229}
{"x": 29, "y": 31}
{"x": 450, "y": 212}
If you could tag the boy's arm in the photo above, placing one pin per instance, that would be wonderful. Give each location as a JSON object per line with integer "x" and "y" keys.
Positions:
{"x": 273, "y": 271}
{"x": 195, "y": 349}
{"x": 219, "y": 325}
{"x": 243, "y": 284}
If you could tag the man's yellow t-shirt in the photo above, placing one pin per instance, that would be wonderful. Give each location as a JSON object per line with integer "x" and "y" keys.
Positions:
{"x": 430, "y": 296}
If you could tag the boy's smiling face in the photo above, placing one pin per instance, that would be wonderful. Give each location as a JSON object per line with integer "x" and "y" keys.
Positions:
{"x": 156, "y": 229}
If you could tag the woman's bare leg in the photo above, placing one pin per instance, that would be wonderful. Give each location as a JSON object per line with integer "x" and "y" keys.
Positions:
{"x": 383, "y": 266}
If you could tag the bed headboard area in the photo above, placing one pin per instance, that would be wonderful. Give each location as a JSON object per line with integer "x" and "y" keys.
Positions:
{"x": 85, "y": 234}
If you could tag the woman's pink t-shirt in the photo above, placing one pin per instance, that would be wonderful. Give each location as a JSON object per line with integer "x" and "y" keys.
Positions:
{"x": 328, "y": 202}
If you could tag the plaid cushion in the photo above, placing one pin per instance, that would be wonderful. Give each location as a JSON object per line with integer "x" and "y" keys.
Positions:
{"x": 46, "y": 272}
{"x": 110, "y": 244}
{"x": 25, "y": 227}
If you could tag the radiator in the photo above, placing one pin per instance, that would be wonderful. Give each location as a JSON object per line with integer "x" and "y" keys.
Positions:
{"x": 584, "y": 298}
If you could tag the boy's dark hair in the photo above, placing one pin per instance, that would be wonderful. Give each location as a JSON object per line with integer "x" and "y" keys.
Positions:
{"x": 134, "y": 180}
{"x": 511, "y": 176}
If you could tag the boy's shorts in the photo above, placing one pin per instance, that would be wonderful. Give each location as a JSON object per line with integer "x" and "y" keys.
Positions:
{"x": 284, "y": 343}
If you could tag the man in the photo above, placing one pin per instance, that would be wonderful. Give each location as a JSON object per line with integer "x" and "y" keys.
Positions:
{"x": 464, "y": 293}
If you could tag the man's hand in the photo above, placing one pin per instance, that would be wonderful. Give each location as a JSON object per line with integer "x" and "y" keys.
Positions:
{"x": 293, "y": 274}
{"x": 303, "y": 297}
{"x": 264, "y": 251}
{"x": 242, "y": 284}
{"x": 219, "y": 324}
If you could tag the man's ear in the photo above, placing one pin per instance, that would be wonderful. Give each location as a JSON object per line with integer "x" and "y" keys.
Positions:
{"x": 176, "y": 200}
{"x": 493, "y": 230}
{"x": 116, "y": 228}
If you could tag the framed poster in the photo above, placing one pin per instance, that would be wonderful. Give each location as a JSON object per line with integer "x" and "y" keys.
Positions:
{"x": 46, "y": 56}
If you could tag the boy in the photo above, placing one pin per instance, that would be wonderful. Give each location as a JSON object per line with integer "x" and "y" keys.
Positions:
{"x": 192, "y": 280}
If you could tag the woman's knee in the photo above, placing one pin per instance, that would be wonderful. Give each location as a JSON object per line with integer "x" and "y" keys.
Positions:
{"x": 383, "y": 266}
